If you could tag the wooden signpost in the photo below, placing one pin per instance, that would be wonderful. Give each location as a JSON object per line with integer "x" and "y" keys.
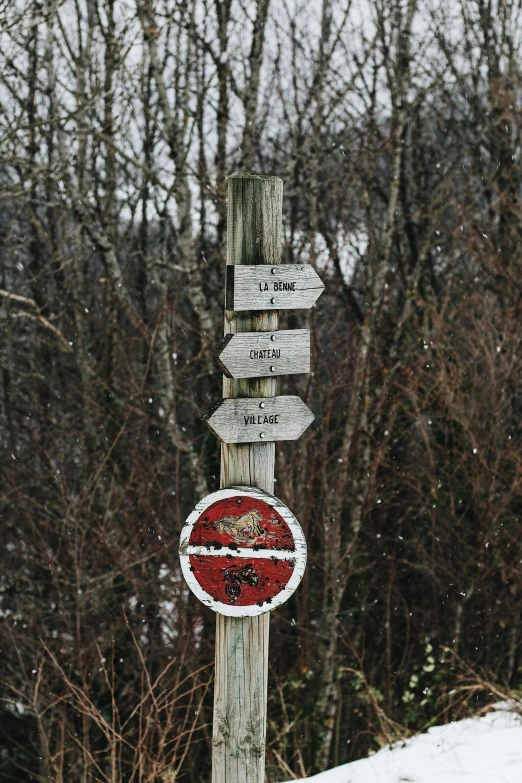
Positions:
{"x": 260, "y": 354}
{"x": 288, "y": 287}
{"x": 254, "y": 419}
{"x": 242, "y": 551}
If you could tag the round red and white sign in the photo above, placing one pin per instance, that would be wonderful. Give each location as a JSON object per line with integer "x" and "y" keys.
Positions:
{"x": 242, "y": 551}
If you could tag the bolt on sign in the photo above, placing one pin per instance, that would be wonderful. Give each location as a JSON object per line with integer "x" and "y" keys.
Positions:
{"x": 242, "y": 552}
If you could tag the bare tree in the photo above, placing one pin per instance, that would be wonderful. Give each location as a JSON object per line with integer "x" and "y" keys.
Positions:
{"x": 398, "y": 139}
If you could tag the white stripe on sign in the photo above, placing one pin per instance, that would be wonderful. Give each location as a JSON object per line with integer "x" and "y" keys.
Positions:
{"x": 225, "y": 551}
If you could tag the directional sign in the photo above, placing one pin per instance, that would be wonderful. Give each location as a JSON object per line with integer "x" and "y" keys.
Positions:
{"x": 259, "y": 354}
{"x": 258, "y": 419}
{"x": 242, "y": 551}
{"x": 281, "y": 287}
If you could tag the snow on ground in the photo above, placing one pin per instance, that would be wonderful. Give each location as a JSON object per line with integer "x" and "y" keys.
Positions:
{"x": 486, "y": 749}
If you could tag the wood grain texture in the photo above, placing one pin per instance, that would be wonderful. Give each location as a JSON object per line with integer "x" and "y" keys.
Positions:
{"x": 258, "y": 419}
{"x": 254, "y": 232}
{"x": 287, "y": 287}
{"x": 240, "y": 699}
{"x": 259, "y": 354}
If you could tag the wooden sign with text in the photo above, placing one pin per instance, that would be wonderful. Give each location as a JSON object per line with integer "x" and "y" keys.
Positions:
{"x": 260, "y": 354}
{"x": 258, "y": 419}
{"x": 263, "y": 287}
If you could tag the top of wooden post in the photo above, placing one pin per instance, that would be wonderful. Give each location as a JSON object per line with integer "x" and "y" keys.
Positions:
{"x": 255, "y": 176}
{"x": 254, "y": 226}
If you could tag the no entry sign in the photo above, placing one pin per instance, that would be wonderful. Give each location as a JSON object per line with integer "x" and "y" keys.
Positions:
{"x": 242, "y": 551}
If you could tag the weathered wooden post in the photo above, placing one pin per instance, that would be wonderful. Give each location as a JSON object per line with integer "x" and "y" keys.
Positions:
{"x": 242, "y": 551}
{"x": 254, "y": 228}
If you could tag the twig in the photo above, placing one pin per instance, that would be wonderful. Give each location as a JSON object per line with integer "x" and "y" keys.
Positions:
{"x": 38, "y": 317}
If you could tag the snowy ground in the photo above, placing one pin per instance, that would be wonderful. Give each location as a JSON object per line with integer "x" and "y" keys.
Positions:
{"x": 487, "y": 749}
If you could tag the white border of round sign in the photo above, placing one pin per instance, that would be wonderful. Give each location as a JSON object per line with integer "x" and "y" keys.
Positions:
{"x": 299, "y": 555}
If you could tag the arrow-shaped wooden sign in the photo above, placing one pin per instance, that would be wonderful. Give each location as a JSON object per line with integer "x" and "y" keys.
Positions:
{"x": 260, "y": 354}
{"x": 258, "y": 419}
{"x": 281, "y": 287}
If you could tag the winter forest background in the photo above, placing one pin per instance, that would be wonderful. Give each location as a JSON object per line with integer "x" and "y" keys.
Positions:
{"x": 396, "y": 128}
